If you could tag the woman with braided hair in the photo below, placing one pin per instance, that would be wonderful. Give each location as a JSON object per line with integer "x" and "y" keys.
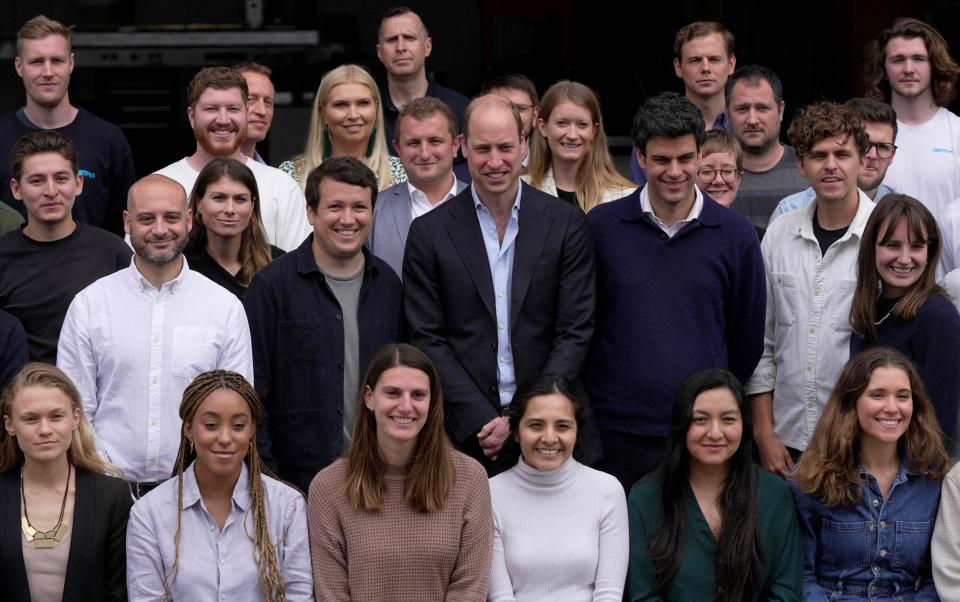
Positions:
{"x": 222, "y": 529}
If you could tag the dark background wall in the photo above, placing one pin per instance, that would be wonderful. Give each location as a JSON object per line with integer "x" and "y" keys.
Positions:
{"x": 622, "y": 50}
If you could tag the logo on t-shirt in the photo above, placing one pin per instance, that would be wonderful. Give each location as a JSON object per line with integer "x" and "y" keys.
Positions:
{"x": 89, "y": 175}
{"x": 940, "y": 149}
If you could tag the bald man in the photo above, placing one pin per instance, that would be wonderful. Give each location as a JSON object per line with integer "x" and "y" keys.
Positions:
{"x": 134, "y": 340}
{"x": 521, "y": 264}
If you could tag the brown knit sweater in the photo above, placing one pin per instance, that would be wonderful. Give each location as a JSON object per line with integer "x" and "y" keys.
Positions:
{"x": 400, "y": 554}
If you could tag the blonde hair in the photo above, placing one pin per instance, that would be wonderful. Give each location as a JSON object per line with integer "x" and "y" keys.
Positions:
{"x": 264, "y": 552}
{"x": 82, "y": 452}
{"x": 596, "y": 173}
{"x": 318, "y": 140}
{"x": 41, "y": 27}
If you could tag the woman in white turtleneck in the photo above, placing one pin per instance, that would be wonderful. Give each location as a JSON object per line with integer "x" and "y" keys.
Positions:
{"x": 560, "y": 528}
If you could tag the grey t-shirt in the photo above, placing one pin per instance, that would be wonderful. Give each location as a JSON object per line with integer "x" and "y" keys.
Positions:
{"x": 760, "y": 192}
{"x": 347, "y": 292}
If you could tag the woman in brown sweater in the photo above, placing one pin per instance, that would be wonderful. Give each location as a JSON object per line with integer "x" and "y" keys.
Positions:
{"x": 403, "y": 516}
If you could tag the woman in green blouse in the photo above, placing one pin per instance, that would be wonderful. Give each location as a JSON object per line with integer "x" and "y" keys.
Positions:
{"x": 709, "y": 524}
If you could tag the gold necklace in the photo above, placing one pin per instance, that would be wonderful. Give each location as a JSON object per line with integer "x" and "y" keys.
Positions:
{"x": 45, "y": 539}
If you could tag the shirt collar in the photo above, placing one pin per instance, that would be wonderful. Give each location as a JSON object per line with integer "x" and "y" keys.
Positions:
{"x": 855, "y": 229}
{"x": 306, "y": 264}
{"x": 479, "y": 205}
{"x": 171, "y": 285}
{"x": 417, "y": 193}
{"x": 241, "y": 491}
{"x": 695, "y": 211}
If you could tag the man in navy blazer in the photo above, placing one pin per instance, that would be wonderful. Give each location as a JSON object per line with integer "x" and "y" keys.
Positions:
{"x": 498, "y": 284}
{"x": 426, "y": 142}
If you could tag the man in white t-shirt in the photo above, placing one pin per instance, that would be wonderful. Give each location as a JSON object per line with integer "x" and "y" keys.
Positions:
{"x": 217, "y": 110}
{"x": 910, "y": 60}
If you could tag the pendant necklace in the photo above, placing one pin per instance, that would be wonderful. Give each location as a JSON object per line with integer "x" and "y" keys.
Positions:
{"x": 881, "y": 320}
{"x": 45, "y": 539}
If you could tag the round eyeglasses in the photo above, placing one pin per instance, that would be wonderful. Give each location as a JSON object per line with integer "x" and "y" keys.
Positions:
{"x": 707, "y": 174}
{"x": 885, "y": 150}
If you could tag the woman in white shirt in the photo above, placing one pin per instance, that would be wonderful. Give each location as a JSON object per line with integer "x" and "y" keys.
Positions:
{"x": 560, "y": 528}
{"x": 222, "y": 529}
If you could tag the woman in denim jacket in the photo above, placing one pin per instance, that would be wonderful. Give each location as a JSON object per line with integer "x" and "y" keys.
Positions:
{"x": 868, "y": 486}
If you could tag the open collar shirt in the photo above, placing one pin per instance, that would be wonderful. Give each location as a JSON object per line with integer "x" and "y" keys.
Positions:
{"x": 671, "y": 231}
{"x": 132, "y": 349}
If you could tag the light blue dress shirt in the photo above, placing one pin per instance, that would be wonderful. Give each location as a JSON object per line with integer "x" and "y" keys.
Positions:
{"x": 500, "y": 257}
{"x": 805, "y": 197}
{"x": 215, "y": 565}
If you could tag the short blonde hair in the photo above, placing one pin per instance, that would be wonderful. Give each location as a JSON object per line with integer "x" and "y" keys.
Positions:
{"x": 40, "y": 27}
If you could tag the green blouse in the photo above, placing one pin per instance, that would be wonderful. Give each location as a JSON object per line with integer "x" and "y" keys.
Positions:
{"x": 695, "y": 580}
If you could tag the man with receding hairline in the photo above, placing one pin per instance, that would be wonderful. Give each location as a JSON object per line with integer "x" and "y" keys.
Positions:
{"x": 134, "y": 340}
{"x": 498, "y": 285}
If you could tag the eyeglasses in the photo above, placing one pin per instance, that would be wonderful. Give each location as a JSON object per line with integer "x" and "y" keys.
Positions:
{"x": 885, "y": 150}
{"x": 707, "y": 174}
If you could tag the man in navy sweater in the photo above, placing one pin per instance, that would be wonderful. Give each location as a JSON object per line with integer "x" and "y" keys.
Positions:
{"x": 680, "y": 287}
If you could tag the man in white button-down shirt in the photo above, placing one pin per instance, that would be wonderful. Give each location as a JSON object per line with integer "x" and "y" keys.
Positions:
{"x": 810, "y": 256}
{"x": 134, "y": 340}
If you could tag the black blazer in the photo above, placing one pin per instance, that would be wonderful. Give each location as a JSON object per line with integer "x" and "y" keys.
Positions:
{"x": 97, "y": 567}
{"x": 451, "y": 312}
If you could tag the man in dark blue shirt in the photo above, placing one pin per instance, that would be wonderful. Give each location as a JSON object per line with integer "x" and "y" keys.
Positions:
{"x": 317, "y": 315}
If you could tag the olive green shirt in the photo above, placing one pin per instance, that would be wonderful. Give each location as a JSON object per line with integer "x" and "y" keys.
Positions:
{"x": 10, "y": 218}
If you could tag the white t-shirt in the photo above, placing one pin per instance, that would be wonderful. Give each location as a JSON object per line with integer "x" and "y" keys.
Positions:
{"x": 282, "y": 204}
{"x": 927, "y": 163}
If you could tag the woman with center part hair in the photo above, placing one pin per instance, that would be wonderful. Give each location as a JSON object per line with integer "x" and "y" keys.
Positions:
{"x": 221, "y": 528}
{"x": 63, "y": 512}
{"x": 403, "y": 517}
{"x": 569, "y": 157}
{"x": 897, "y": 301}
{"x": 868, "y": 485}
{"x": 347, "y": 120}
{"x": 227, "y": 242}
{"x": 549, "y": 501}
{"x": 709, "y": 524}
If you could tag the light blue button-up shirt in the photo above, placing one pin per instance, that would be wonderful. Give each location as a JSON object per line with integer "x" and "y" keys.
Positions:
{"x": 213, "y": 564}
{"x": 805, "y": 197}
{"x": 500, "y": 258}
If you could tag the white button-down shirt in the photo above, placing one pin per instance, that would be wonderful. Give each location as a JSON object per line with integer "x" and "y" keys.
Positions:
{"x": 671, "y": 231}
{"x": 215, "y": 564}
{"x": 421, "y": 205}
{"x": 807, "y": 335}
{"x": 132, "y": 350}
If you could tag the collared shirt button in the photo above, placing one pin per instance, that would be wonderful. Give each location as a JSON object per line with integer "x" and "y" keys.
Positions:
{"x": 883, "y": 525}
{"x": 876, "y": 503}
{"x": 223, "y": 562}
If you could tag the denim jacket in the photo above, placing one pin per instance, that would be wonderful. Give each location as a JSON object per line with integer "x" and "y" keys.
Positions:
{"x": 878, "y": 550}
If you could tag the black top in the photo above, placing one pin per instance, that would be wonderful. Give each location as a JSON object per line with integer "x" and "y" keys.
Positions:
{"x": 456, "y": 101}
{"x": 568, "y": 196}
{"x": 825, "y": 237}
{"x": 202, "y": 263}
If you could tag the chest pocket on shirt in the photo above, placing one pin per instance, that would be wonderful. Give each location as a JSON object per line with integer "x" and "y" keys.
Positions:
{"x": 847, "y": 545}
{"x": 839, "y": 300}
{"x": 912, "y": 551}
{"x": 194, "y": 352}
{"x": 785, "y": 298}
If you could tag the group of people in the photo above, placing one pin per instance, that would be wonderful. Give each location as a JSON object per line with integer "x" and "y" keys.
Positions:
{"x": 496, "y": 367}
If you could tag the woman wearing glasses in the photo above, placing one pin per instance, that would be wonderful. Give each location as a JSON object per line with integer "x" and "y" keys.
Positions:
{"x": 721, "y": 169}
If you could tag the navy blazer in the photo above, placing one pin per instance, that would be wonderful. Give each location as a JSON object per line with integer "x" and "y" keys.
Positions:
{"x": 97, "y": 567}
{"x": 450, "y": 309}
{"x": 391, "y": 222}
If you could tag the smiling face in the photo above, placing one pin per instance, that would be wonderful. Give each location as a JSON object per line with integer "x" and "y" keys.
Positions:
{"x": 426, "y": 149}
{"x": 221, "y": 430}
{"x": 349, "y": 113}
{"x": 725, "y": 183}
{"x": 755, "y": 116}
{"x": 219, "y": 121}
{"x": 885, "y": 407}
{"x": 671, "y": 166}
{"x": 157, "y": 220}
{"x": 569, "y": 130}
{"x": 400, "y": 402}
{"x": 704, "y": 65}
{"x": 42, "y": 419}
{"x": 260, "y": 99}
{"x": 832, "y": 166}
{"x": 45, "y": 66}
{"x": 494, "y": 151}
{"x": 528, "y": 111}
{"x": 226, "y": 208}
{"x": 341, "y": 222}
{"x": 901, "y": 260}
{"x": 48, "y": 187}
{"x": 548, "y": 431}
{"x": 716, "y": 428}
{"x": 907, "y": 65}
{"x": 404, "y": 46}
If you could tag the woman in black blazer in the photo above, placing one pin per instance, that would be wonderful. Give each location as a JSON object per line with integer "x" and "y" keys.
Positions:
{"x": 63, "y": 517}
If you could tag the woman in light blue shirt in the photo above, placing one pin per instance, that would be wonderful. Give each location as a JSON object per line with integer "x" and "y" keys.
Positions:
{"x": 220, "y": 530}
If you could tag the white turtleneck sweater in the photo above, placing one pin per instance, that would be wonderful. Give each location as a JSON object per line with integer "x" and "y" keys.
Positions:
{"x": 558, "y": 535}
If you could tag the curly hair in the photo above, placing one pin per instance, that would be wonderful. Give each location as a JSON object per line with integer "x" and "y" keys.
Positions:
{"x": 667, "y": 115}
{"x": 821, "y": 120}
{"x": 944, "y": 69}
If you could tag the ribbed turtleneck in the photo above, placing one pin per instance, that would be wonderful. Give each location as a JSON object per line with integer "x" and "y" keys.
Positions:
{"x": 547, "y": 478}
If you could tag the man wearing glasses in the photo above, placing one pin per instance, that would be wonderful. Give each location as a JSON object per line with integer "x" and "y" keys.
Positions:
{"x": 880, "y": 122}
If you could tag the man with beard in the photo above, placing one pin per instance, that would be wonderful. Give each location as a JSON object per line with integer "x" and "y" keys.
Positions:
{"x": 134, "y": 340}
{"x": 44, "y": 62}
{"x": 217, "y": 110}
{"x": 755, "y": 108}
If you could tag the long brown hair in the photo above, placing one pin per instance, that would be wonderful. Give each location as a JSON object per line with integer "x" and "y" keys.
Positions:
{"x": 430, "y": 471}
{"x": 829, "y": 468}
{"x": 254, "y": 248}
{"x": 922, "y": 227}
{"x": 82, "y": 452}
{"x": 264, "y": 551}
{"x": 596, "y": 173}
